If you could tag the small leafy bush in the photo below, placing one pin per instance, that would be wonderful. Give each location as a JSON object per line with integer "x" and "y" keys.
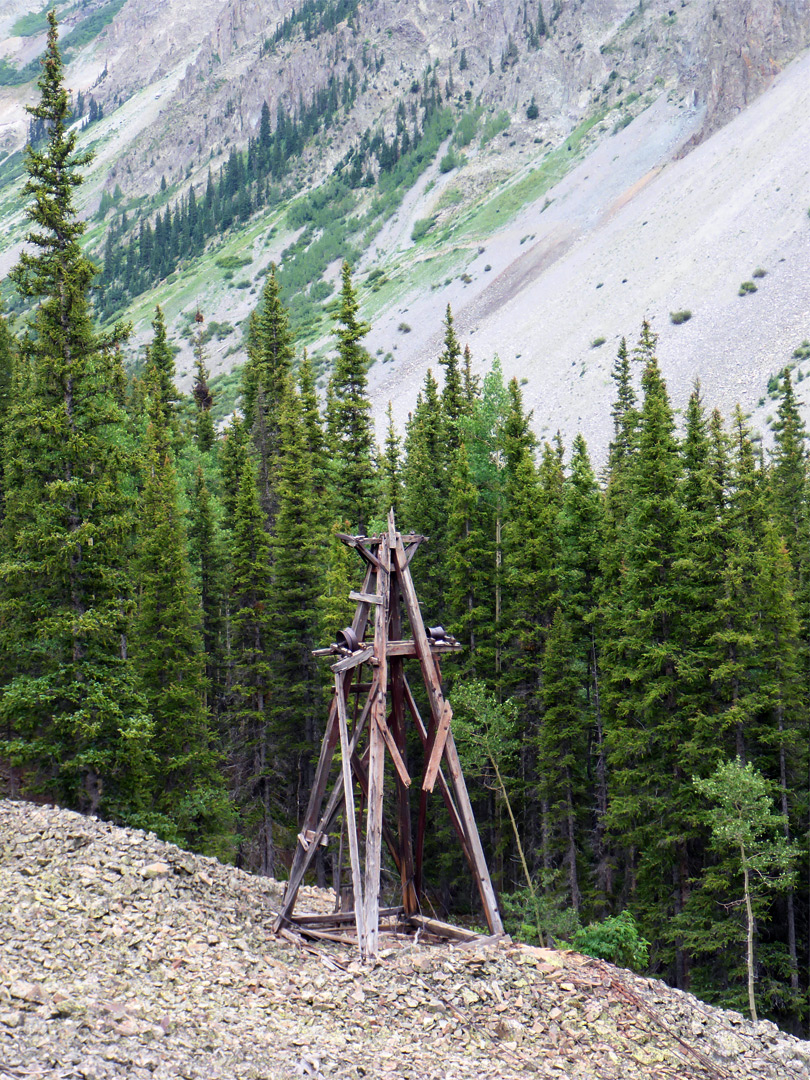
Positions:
{"x": 759, "y": 272}
{"x": 450, "y": 161}
{"x": 616, "y": 940}
{"x": 494, "y": 126}
{"x": 404, "y": 328}
{"x": 746, "y": 287}
{"x": 678, "y": 317}
{"x": 421, "y": 227}
{"x": 232, "y": 262}
{"x": 597, "y": 341}
{"x": 320, "y": 290}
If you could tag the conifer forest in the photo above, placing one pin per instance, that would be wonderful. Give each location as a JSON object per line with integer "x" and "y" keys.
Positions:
{"x": 632, "y": 698}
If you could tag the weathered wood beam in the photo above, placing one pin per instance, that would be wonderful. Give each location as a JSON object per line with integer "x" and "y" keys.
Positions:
{"x": 376, "y": 763}
{"x": 339, "y": 918}
{"x": 443, "y": 929}
{"x": 365, "y": 598}
{"x": 351, "y": 820}
{"x": 353, "y": 661}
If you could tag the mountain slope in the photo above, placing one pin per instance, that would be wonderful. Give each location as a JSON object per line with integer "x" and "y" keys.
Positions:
{"x": 552, "y": 206}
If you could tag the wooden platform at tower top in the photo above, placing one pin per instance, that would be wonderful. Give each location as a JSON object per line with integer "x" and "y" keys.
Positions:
{"x": 367, "y": 718}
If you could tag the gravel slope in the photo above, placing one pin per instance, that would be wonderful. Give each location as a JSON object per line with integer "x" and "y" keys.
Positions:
{"x": 634, "y": 232}
{"x": 121, "y": 956}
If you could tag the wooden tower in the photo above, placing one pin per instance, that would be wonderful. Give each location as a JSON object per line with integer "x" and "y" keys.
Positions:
{"x": 372, "y": 700}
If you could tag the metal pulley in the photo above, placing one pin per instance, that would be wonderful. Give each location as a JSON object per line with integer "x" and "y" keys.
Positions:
{"x": 347, "y": 639}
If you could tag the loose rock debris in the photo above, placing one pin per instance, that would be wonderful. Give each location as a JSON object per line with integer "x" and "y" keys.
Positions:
{"x": 122, "y": 956}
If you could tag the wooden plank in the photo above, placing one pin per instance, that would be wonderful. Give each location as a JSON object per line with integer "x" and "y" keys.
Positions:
{"x": 302, "y": 859}
{"x": 432, "y": 684}
{"x": 324, "y": 935}
{"x": 353, "y": 661}
{"x": 351, "y": 820}
{"x": 339, "y": 918}
{"x": 483, "y": 881}
{"x": 376, "y": 762}
{"x": 393, "y": 749}
{"x": 446, "y": 930}
{"x": 408, "y": 648}
{"x": 365, "y": 598}
{"x": 370, "y": 558}
{"x": 437, "y": 748}
{"x": 410, "y": 894}
{"x": 443, "y": 785}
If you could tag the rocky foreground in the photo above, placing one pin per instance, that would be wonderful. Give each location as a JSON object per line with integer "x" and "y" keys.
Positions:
{"x": 121, "y": 956}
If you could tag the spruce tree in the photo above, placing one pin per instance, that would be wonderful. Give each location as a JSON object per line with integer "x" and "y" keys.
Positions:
{"x": 425, "y": 494}
{"x": 563, "y": 754}
{"x": 350, "y": 432}
{"x": 251, "y": 747}
{"x": 270, "y": 356}
{"x": 204, "y": 432}
{"x": 453, "y": 401}
{"x": 392, "y": 466}
{"x": 160, "y": 365}
{"x": 77, "y": 729}
{"x": 7, "y": 380}
{"x": 647, "y": 735}
{"x": 296, "y": 548}
{"x": 190, "y": 801}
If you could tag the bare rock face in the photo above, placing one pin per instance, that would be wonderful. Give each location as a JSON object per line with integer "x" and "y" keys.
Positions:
{"x": 209, "y": 62}
{"x": 122, "y": 956}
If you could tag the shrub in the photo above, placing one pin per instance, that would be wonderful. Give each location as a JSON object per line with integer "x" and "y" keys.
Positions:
{"x": 616, "y": 940}
{"x": 746, "y": 287}
{"x": 678, "y": 317}
{"x": 494, "y": 126}
{"x": 421, "y": 227}
{"x": 597, "y": 341}
{"x": 404, "y": 328}
{"x": 450, "y": 161}
{"x": 759, "y": 272}
{"x": 320, "y": 290}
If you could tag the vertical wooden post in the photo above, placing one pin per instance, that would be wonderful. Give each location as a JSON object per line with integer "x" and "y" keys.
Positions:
{"x": 410, "y": 887}
{"x": 351, "y": 820}
{"x": 376, "y": 763}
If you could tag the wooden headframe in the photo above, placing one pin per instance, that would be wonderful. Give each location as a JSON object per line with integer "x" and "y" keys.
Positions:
{"x": 376, "y": 667}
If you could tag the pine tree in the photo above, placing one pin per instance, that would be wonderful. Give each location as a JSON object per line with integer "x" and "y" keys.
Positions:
{"x": 425, "y": 494}
{"x": 160, "y": 364}
{"x": 350, "y": 433}
{"x": 392, "y": 467}
{"x": 647, "y": 733}
{"x": 204, "y": 432}
{"x": 76, "y": 727}
{"x": 313, "y": 427}
{"x": 270, "y": 356}
{"x": 207, "y": 560}
{"x": 7, "y": 380}
{"x": 452, "y": 394}
{"x": 190, "y": 804}
{"x": 579, "y": 525}
{"x": 251, "y": 749}
{"x": 563, "y": 753}
{"x": 296, "y": 547}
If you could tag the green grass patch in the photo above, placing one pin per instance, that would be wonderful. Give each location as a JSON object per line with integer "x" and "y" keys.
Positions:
{"x": 91, "y": 26}
{"x": 499, "y": 209}
{"x": 36, "y": 22}
{"x": 494, "y": 126}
